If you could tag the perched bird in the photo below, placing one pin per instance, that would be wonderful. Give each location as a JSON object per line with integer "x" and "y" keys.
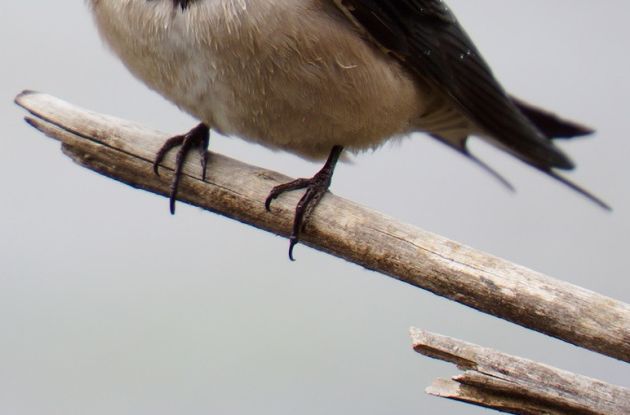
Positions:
{"x": 319, "y": 77}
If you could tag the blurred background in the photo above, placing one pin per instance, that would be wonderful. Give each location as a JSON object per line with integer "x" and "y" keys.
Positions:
{"x": 108, "y": 304}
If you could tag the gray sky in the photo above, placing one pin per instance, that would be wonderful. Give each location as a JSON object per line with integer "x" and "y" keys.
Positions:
{"x": 110, "y": 305}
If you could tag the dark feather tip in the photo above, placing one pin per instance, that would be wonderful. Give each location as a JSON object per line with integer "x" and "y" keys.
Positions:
{"x": 551, "y": 125}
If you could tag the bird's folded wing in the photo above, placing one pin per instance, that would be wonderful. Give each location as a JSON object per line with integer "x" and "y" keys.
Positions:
{"x": 427, "y": 38}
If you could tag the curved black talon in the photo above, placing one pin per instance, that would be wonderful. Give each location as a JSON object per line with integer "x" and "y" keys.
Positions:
{"x": 316, "y": 187}
{"x": 200, "y": 135}
{"x": 292, "y": 242}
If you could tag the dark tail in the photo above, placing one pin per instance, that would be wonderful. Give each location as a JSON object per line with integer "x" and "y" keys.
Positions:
{"x": 552, "y": 127}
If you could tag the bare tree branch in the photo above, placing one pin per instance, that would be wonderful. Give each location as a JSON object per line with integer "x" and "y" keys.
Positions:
{"x": 124, "y": 151}
{"x": 516, "y": 385}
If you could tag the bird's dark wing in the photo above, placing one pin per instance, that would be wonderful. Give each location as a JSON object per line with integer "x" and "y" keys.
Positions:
{"x": 427, "y": 38}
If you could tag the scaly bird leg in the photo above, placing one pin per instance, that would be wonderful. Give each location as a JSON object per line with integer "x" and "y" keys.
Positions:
{"x": 316, "y": 187}
{"x": 200, "y": 136}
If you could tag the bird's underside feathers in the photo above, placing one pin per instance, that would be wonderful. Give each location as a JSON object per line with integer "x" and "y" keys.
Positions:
{"x": 427, "y": 39}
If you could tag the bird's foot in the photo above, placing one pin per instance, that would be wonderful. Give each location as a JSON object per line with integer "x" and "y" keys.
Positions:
{"x": 316, "y": 187}
{"x": 198, "y": 137}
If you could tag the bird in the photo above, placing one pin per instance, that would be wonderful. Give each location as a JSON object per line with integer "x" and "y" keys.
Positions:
{"x": 322, "y": 78}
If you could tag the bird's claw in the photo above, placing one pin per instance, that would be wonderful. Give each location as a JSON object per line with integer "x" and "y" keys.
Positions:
{"x": 200, "y": 135}
{"x": 316, "y": 187}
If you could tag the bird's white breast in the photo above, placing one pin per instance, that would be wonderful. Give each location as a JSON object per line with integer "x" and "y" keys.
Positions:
{"x": 290, "y": 74}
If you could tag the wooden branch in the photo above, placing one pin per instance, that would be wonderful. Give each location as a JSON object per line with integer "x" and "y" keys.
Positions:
{"x": 516, "y": 385}
{"x": 124, "y": 151}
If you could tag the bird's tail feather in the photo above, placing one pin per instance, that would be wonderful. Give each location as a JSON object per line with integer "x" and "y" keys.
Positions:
{"x": 461, "y": 148}
{"x": 577, "y": 188}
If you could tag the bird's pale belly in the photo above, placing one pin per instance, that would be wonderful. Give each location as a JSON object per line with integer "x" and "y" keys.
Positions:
{"x": 303, "y": 82}
{"x": 306, "y": 112}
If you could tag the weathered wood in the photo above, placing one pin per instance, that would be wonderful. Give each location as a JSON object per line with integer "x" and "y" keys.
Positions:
{"x": 124, "y": 151}
{"x": 516, "y": 385}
